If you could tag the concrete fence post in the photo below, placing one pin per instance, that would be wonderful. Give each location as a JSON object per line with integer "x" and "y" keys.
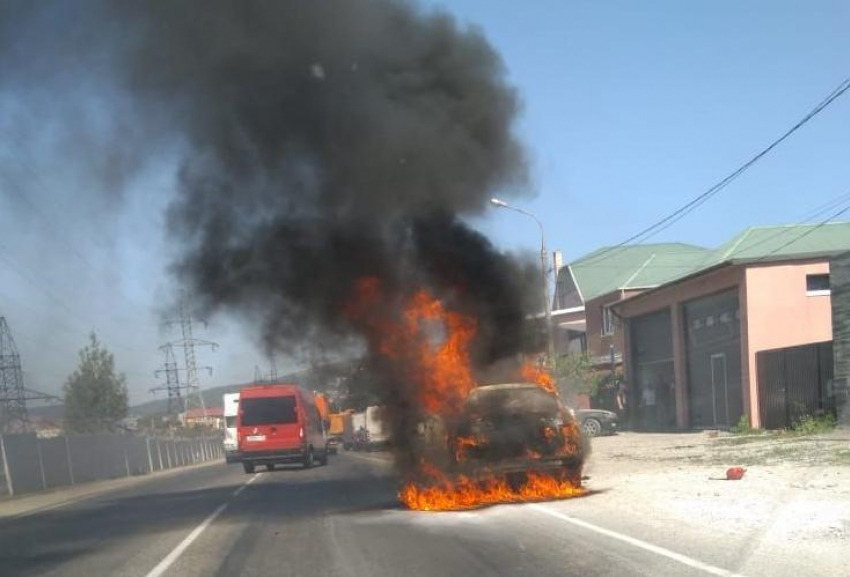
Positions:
{"x": 40, "y": 464}
{"x": 159, "y": 453}
{"x": 68, "y": 458}
{"x": 126, "y": 456}
{"x": 6, "y": 472}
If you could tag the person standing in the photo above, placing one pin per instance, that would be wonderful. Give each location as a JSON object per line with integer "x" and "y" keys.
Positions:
{"x": 648, "y": 404}
{"x": 621, "y": 401}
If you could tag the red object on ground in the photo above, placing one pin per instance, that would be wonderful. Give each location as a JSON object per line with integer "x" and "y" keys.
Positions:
{"x": 735, "y": 473}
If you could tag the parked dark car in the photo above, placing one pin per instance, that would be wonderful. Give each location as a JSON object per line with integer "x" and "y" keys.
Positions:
{"x": 596, "y": 422}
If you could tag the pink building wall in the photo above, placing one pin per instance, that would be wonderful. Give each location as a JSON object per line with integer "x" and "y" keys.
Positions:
{"x": 775, "y": 310}
{"x": 779, "y": 314}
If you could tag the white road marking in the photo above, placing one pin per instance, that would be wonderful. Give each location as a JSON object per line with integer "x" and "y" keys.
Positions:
{"x": 169, "y": 559}
{"x": 248, "y": 482}
{"x": 683, "y": 559}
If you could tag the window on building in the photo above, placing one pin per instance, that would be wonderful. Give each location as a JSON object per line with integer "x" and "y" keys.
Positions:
{"x": 608, "y": 321}
{"x": 817, "y": 284}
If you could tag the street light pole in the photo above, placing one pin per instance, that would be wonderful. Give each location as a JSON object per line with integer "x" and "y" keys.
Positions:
{"x": 544, "y": 278}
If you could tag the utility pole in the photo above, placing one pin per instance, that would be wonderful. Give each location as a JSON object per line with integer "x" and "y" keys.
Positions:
{"x": 194, "y": 398}
{"x": 544, "y": 279}
{"x": 172, "y": 382}
{"x": 14, "y": 417}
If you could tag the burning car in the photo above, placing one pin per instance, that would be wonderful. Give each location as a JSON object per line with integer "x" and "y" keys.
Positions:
{"x": 515, "y": 428}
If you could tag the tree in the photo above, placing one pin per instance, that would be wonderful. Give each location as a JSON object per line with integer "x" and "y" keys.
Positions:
{"x": 575, "y": 375}
{"x": 95, "y": 395}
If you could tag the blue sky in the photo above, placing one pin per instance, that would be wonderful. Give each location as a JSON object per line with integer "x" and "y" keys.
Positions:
{"x": 630, "y": 109}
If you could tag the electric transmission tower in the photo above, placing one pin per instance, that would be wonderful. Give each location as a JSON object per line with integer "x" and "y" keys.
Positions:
{"x": 273, "y": 368}
{"x": 13, "y": 412}
{"x": 13, "y": 395}
{"x": 194, "y": 398}
{"x": 172, "y": 385}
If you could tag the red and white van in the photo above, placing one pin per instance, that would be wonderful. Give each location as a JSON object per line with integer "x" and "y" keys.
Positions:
{"x": 279, "y": 423}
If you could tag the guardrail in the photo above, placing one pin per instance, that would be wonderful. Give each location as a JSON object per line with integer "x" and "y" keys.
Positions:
{"x": 31, "y": 464}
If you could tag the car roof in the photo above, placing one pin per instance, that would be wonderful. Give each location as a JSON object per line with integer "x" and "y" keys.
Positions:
{"x": 271, "y": 390}
{"x": 506, "y": 387}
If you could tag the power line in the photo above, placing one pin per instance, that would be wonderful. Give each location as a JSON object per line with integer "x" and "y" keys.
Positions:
{"x": 699, "y": 200}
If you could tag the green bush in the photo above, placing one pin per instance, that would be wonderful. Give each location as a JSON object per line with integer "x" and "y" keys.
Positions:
{"x": 743, "y": 427}
{"x": 809, "y": 425}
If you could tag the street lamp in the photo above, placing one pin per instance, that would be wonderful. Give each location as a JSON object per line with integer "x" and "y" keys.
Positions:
{"x": 544, "y": 277}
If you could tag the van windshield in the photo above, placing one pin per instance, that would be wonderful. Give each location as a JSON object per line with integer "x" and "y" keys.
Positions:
{"x": 268, "y": 411}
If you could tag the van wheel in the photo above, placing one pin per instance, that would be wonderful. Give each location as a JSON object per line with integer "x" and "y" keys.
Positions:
{"x": 308, "y": 459}
{"x": 323, "y": 460}
{"x": 270, "y": 467}
{"x": 248, "y": 467}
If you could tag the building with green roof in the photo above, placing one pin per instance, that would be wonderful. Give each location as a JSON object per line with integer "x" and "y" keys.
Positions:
{"x": 692, "y": 333}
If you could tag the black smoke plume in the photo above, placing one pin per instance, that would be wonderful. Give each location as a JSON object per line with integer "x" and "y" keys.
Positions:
{"x": 324, "y": 141}
{"x": 328, "y": 141}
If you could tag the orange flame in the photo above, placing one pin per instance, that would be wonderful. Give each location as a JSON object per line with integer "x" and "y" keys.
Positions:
{"x": 440, "y": 493}
{"x": 462, "y": 444}
{"x": 439, "y": 369}
{"x": 535, "y": 374}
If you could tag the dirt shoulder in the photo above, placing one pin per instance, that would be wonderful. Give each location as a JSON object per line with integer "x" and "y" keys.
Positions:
{"x": 794, "y": 497}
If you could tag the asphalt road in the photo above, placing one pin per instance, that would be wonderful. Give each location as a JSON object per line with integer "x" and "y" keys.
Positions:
{"x": 342, "y": 519}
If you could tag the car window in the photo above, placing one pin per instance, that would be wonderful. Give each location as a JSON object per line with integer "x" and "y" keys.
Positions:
{"x": 268, "y": 411}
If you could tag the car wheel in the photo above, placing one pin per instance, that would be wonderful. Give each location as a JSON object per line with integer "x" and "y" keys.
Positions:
{"x": 248, "y": 467}
{"x": 270, "y": 467}
{"x": 591, "y": 427}
{"x": 308, "y": 459}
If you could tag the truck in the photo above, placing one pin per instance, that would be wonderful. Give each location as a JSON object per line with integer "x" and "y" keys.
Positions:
{"x": 348, "y": 430}
{"x": 336, "y": 431}
{"x": 369, "y": 430}
{"x": 379, "y": 436}
{"x": 231, "y": 410}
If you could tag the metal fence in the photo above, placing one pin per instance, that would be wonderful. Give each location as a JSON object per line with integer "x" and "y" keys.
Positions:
{"x": 794, "y": 382}
{"x": 32, "y": 464}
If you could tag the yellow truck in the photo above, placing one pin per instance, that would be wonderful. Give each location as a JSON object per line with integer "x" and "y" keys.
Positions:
{"x": 336, "y": 431}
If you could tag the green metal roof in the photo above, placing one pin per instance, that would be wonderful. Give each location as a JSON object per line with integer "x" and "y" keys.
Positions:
{"x": 651, "y": 265}
{"x": 785, "y": 241}
{"x": 635, "y": 266}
